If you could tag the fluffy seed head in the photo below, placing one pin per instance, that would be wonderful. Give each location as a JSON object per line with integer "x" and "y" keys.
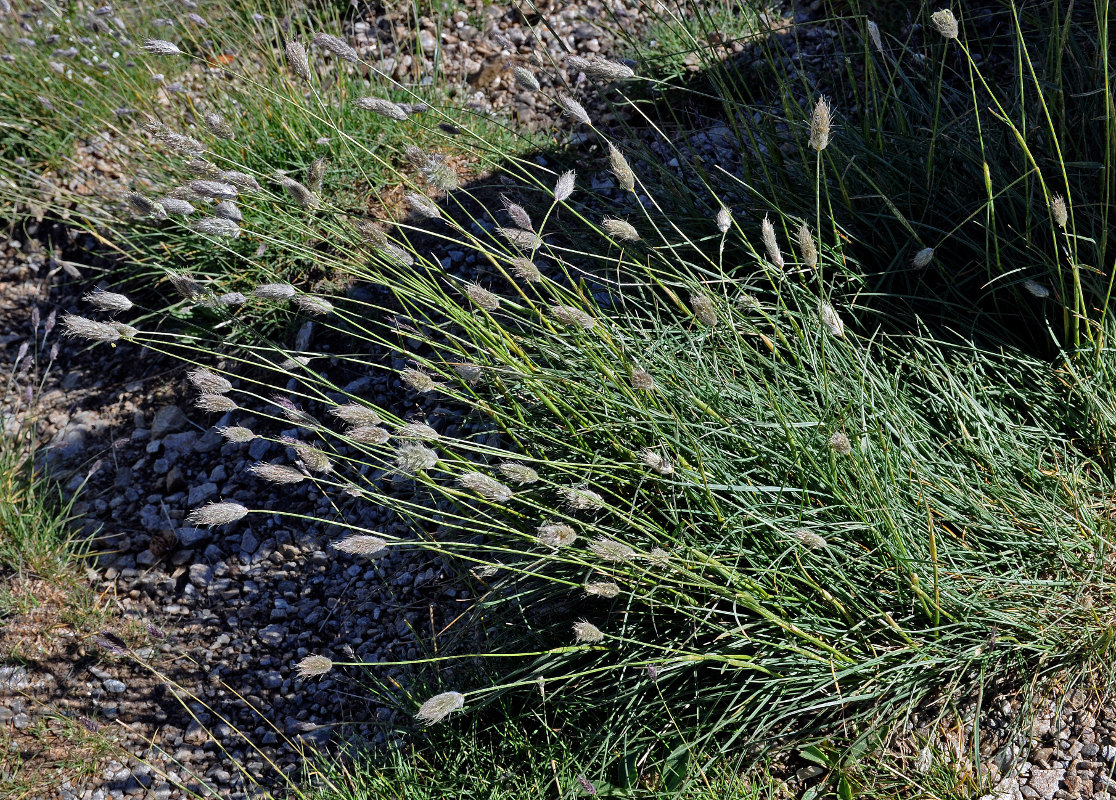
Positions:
{"x": 275, "y": 291}
{"x": 517, "y": 237}
{"x": 418, "y": 380}
{"x": 621, "y": 169}
{"x": 620, "y": 229}
{"x": 570, "y": 316}
{"x": 599, "y": 68}
{"x": 770, "y": 244}
{"x": 217, "y": 125}
{"x": 314, "y": 459}
{"x": 831, "y": 320}
{"x": 336, "y": 46}
{"x": 417, "y": 430}
{"x": 299, "y": 193}
{"x": 236, "y": 433}
{"x": 525, "y": 269}
{"x": 526, "y": 79}
{"x": 292, "y": 412}
{"x": 724, "y": 220}
{"x": 73, "y": 325}
{"x": 874, "y": 35}
{"x": 587, "y": 632}
{"x": 557, "y": 534}
{"x": 486, "y": 487}
{"x": 210, "y": 382}
{"x": 172, "y": 205}
{"x": 217, "y": 226}
{"x": 312, "y": 666}
{"x": 227, "y": 209}
{"x": 439, "y": 174}
{"x": 564, "y": 187}
{"x": 412, "y": 459}
{"x": 611, "y": 550}
{"x": 806, "y": 246}
{"x": 1059, "y": 211}
{"x": 315, "y": 173}
{"x": 422, "y": 206}
{"x": 518, "y": 214}
{"x": 922, "y": 258}
{"x": 655, "y": 460}
{"x": 215, "y": 514}
{"x": 642, "y": 380}
{"x": 520, "y": 473}
{"x": 231, "y": 299}
{"x": 839, "y": 443}
{"x": 605, "y": 589}
{"x": 581, "y": 499}
{"x": 368, "y": 434}
{"x": 241, "y": 180}
{"x": 1036, "y": 289}
{"x": 809, "y": 540}
{"x": 161, "y": 47}
{"x": 179, "y": 143}
{"x": 704, "y": 310}
{"x": 440, "y": 706}
{"x": 126, "y": 331}
{"x": 313, "y": 305}
{"x": 482, "y": 297}
{"x": 185, "y": 284}
{"x": 356, "y": 414}
{"x": 146, "y": 207}
{"x": 276, "y": 473}
{"x": 297, "y": 60}
{"x": 385, "y": 108}
{"x": 945, "y": 23}
{"x": 820, "y": 124}
{"x": 218, "y": 190}
{"x": 360, "y": 545}
{"x": 574, "y": 109}
{"x": 108, "y": 301}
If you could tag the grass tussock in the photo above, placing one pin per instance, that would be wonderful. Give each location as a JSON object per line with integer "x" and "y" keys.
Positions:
{"x": 788, "y": 433}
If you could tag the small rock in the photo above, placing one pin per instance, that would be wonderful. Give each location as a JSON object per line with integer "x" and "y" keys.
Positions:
{"x": 200, "y": 575}
{"x": 192, "y": 536}
{"x": 168, "y": 419}
{"x": 195, "y": 734}
{"x": 273, "y": 635}
{"x": 1046, "y": 781}
{"x": 258, "y": 448}
{"x": 115, "y": 686}
{"x": 200, "y": 494}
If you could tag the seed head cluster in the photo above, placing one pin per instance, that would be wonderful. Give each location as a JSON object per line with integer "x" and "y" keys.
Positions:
{"x": 557, "y": 534}
{"x": 108, "y": 301}
{"x": 276, "y": 473}
{"x": 621, "y": 169}
{"x": 486, "y": 487}
{"x": 767, "y": 229}
{"x": 571, "y": 317}
{"x": 440, "y": 706}
{"x": 217, "y": 514}
{"x": 605, "y": 589}
{"x": 205, "y": 380}
{"x": 620, "y": 229}
{"x": 704, "y": 310}
{"x": 820, "y": 123}
{"x": 481, "y": 297}
{"x": 839, "y": 443}
{"x": 587, "y": 632}
{"x": 313, "y": 666}
{"x": 806, "y": 247}
{"x": 581, "y": 499}
{"x": 360, "y": 545}
{"x": 411, "y": 459}
{"x": 945, "y": 23}
{"x": 520, "y": 473}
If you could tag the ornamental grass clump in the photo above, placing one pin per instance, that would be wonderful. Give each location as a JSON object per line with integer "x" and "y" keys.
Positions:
{"x": 762, "y": 499}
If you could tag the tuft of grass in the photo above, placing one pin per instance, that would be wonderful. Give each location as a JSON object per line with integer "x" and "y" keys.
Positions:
{"x": 764, "y": 448}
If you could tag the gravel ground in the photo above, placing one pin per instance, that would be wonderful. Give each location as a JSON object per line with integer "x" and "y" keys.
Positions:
{"x": 232, "y": 611}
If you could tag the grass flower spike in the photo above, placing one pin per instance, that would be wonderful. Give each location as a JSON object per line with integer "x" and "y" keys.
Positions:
{"x": 440, "y": 706}
{"x": 945, "y": 23}
{"x": 217, "y": 514}
{"x": 313, "y": 666}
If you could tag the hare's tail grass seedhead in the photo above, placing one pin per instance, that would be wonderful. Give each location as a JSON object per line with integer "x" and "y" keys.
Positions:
{"x": 80, "y": 327}
{"x": 587, "y": 633}
{"x": 313, "y": 666}
{"x": 440, "y": 706}
{"x": 217, "y": 514}
{"x": 361, "y": 545}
